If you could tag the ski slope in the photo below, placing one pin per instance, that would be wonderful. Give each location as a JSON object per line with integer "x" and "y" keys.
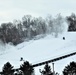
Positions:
{"x": 40, "y": 50}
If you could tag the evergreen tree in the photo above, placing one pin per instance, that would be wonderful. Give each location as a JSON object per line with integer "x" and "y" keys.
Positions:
{"x": 70, "y": 69}
{"x": 47, "y": 70}
{"x": 8, "y": 69}
{"x": 27, "y": 68}
{"x": 72, "y": 22}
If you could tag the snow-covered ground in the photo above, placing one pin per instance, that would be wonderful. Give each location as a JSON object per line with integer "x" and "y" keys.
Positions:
{"x": 43, "y": 49}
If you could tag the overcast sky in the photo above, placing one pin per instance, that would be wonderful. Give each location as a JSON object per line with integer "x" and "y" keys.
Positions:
{"x": 16, "y": 9}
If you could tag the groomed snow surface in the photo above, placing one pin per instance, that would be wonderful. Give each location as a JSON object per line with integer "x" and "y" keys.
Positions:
{"x": 40, "y": 50}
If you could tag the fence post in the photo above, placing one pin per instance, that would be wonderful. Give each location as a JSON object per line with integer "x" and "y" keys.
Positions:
{"x": 53, "y": 68}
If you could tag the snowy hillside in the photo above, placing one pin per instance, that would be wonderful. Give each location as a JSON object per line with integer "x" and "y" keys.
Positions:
{"x": 41, "y": 50}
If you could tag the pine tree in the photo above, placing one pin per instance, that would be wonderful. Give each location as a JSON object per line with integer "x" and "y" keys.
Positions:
{"x": 27, "y": 68}
{"x": 8, "y": 69}
{"x": 47, "y": 70}
{"x": 70, "y": 69}
{"x": 72, "y": 22}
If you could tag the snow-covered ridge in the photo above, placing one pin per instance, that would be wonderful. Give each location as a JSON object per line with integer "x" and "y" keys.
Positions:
{"x": 42, "y": 49}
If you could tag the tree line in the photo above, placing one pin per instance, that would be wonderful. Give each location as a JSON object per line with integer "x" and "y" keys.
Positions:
{"x": 29, "y": 27}
{"x": 27, "y": 69}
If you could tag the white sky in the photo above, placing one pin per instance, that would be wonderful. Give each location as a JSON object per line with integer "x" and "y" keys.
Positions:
{"x": 16, "y": 9}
